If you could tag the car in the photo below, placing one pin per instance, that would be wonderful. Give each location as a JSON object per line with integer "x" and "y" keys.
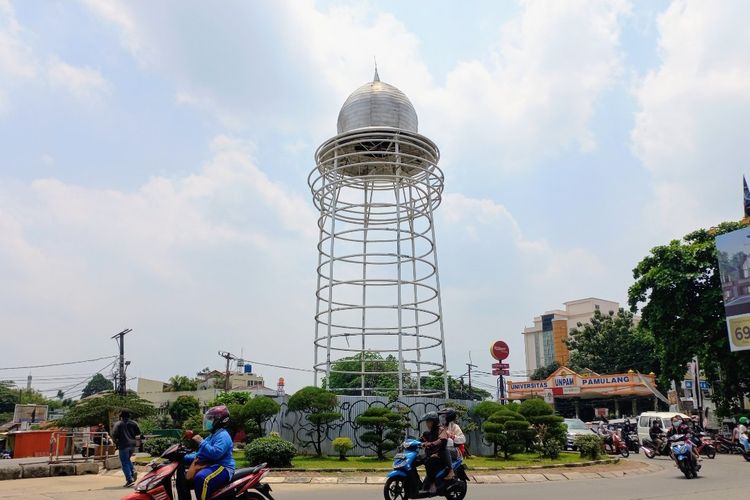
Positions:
{"x": 576, "y": 427}
{"x": 647, "y": 418}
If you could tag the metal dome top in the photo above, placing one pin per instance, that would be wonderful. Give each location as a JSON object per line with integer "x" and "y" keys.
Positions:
{"x": 377, "y": 104}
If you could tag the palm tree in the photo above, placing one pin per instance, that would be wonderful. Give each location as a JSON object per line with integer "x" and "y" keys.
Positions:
{"x": 182, "y": 383}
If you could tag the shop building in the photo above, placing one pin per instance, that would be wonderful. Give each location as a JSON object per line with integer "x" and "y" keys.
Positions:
{"x": 588, "y": 395}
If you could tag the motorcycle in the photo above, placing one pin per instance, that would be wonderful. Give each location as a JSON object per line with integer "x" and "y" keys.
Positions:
{"x": 404, "y": 482}
{"x": 634, "y": 442}
{"x": 682, "y": 453}
{"x": 705, "y": 445}
{"x": 650, "y": 449}
{"x": 616, "y": 445}
{"x": 745, "y": 443}
{"x": 157, "y": 484}
{"x": 726, "y": 445}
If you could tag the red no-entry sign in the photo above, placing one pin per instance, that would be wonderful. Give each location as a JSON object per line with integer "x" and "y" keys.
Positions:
{"x": 499, "y": 350}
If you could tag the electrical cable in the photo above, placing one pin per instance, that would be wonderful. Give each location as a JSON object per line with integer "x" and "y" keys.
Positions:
{"x": 280, "y": 366}
{"x": 57, "y": 364}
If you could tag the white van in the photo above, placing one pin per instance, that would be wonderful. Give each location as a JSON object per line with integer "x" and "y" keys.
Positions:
{"x": 646, "y": 419}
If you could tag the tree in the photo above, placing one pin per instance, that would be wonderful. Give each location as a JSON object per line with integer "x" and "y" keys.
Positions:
{"x": 231, "y": 398}
{"x": 96, "y": 385}
{"x": 319, "y": 407}
{"x": 550, "y": 430}
{"x": 611, "y": 343}
{"x": 507, "y": 431}
{"x": 105, "y": 408}
{"x": 543, "y": 372}
{"x": 456, "y": 389}
{"x": 374, "y": 364}
{"x": 484, "y": 410}
{"x": 182, "y": 383}
{"x": 258, "y": 410}
{"x": 183, "y": 408}
{"x": 679, "y": 286}
{"x": 384, "y": 429}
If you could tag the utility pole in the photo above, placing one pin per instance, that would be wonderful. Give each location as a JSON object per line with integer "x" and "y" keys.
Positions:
{"x": 229, "y": 357}
{"x": 122, "y": 381}
{"x": 470, "y": 366}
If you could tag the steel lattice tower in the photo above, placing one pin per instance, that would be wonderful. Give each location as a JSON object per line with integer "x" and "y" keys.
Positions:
{"x": 377, "y": 185}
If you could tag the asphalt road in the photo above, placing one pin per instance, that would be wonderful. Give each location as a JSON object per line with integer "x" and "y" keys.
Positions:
{"x": 726, "y": 478}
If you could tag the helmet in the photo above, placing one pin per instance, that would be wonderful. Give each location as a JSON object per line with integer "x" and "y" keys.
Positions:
{"x": 216, "y": 418}
{"x": 430, "y": 417}
{"x": 743, "y": 420}
{"x": 449, "y": 414}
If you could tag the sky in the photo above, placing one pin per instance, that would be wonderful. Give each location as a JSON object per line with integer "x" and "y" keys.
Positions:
{"x": 154, "y": 160}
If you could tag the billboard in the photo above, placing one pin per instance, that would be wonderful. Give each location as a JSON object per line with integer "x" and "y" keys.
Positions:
{"x": 733, "y": 250}
{"x": 30, "y": 413}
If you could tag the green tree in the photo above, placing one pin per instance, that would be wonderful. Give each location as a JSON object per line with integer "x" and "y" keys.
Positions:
{"x": 183, "y": 408}
{"x": 319, "y": 407}
{"x": 551, "y": 432}
{"x": 384, "y": 429}
{"x": 612, "y": 343}
{"x": 258, "y": 410}
{"x": 96, "y": 385}
{"x": 543, "y": 372}
{"x": 484, "y": 410}
{"x": 105, "y": 408}
{"x": 456, "y": 389}
{"x": 507, "y": 431}
{"x": 231, "y": 398}
{"x": 679, "y": 287}
{"x": 182, "y": 383}
{"x": 382, "y": 374}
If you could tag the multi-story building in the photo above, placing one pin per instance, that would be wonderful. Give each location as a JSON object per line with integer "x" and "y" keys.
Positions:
{"x": 545, "y": 341}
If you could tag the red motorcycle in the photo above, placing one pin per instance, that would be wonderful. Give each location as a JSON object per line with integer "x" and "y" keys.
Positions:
{"x": 705, "y": 445}
{"x": 166, "y": 481}
{"x": 616, "y": 445}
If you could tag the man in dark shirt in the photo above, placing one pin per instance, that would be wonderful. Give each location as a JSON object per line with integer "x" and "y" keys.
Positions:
{"x": 125, "y": 433}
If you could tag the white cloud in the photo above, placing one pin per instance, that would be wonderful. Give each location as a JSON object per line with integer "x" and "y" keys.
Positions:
{"x": 85, "y": 84}
{"x": 694, "y": 111}
{"x": 16, "y": 57}
{"x": 221, "y": 251}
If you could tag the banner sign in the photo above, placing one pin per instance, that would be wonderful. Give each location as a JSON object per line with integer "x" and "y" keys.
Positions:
{"x": 733, "y": 250}
{"x": 527, "y": 386}
{"x": 617, "y": 379}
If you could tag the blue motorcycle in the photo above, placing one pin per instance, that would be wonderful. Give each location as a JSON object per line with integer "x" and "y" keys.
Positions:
{"x": 404, "y": 483}
{"x": 682, "y": 452}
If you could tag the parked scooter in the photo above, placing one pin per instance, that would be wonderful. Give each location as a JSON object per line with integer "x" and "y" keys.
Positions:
{"x": 404, "y": 481}
{"x": 705, "y": 445}
{"x": 726, "y": 445}
{"x": 157, "y": 484}
{"x": 682, "y": 452}
{"x": 616, "y": 445}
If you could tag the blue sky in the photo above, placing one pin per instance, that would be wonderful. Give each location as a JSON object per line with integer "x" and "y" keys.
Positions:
{"x": 155, "y": 158}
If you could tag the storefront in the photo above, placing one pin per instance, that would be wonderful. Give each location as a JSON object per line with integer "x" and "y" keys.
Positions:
{"x": 588, "y": 395}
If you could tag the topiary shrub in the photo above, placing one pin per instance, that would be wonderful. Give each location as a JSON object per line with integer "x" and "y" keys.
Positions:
{"x": 550, "y": 429}
{"x": 156, "y": 446}
{"x": 276, "y": 452}
{"x": 589, "y": 446}
{"x": 342, "y": 445}
{"x": 384, "y": 429}
{"x": 507, "y": 431}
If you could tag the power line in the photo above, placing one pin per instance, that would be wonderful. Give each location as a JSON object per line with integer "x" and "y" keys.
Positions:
{"x": 281, "y": 366}
{"x": 57, "y": 364}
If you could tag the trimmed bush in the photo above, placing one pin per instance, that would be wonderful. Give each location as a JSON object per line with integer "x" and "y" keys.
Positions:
{"x": 384, "y": 429}
{"x": 275, "y": 451}
{"x": 508, "y": 431}
{"x": 342, "y": 445}
{"x": 589, "y": 446}
{"x": 156, "y": 446}
{"x": 550, "y": 429}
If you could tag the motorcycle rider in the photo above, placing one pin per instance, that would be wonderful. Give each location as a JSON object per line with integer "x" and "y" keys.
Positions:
{"x": 435, "y": 440}
{"x": 448, "y": 418}
{"x": 740, "y": 430}
{"x": 214, "y": 454}
{"x": 625, "y": 432}
{"x": 656, "y": 433}
{"x": 679, "y": 427}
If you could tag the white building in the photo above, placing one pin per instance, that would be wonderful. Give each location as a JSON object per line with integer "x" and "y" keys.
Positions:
{"x": 545, "y": 341}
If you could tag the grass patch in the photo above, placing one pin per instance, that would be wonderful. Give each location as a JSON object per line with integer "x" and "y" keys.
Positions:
{"x": 333, "y": 462}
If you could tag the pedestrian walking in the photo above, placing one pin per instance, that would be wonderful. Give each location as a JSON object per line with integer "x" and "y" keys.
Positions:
{"x": 125, "y": 433}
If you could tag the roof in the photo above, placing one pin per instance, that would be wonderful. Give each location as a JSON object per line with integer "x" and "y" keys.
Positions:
{"x": 377, "y": 104}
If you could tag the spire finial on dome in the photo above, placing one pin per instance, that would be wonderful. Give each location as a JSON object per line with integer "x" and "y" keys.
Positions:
{"x": 376, "y": 77}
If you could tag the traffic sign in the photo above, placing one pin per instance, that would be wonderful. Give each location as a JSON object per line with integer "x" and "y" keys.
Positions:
{"x": 499, "y": 350}
{"x": 498, "y": 371}
{"x": 505, "y": 372}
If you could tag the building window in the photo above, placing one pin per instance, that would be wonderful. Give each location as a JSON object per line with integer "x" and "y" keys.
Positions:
{"x": 537, "y": 351}
{"x": 549, "y": 347}
{"x": 746, "y": 268}
{"x": 596, "y": 306}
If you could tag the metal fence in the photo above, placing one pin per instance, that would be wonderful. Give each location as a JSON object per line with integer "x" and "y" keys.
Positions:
{"x": 80, "y": 446}
{"x": 294, "y": 427}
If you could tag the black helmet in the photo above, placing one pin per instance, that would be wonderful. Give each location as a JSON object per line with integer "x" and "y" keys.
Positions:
{"x": 449, "y": 414}
{"x": 430, "y": 416}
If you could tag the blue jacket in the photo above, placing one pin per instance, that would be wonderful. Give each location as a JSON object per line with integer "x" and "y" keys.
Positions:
{"x": 215, "y": 449}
